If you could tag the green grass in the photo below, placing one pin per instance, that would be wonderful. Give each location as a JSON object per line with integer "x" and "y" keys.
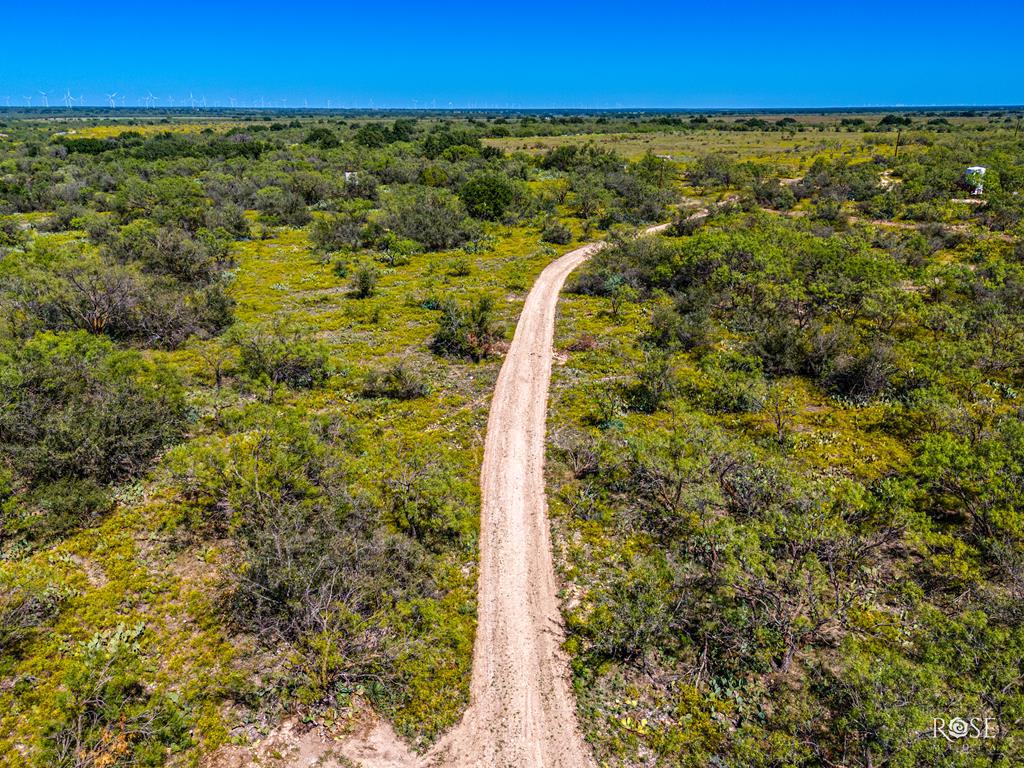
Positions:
{"x": 790, "y": 151}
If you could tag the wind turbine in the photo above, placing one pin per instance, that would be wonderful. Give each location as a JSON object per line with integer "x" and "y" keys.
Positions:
{"x": 110, "y": 99}
{"x": 68, "y": 98}
{"x": 28, "y": 100}
{"x": 46, "y": 101}
{"x": 191, "y": 100}
{"x": 232, "y": 100}
{"x": 150, "y": 98}
{"x": 170, "y": 101}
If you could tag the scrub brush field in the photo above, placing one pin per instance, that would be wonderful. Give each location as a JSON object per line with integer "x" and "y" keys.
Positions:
{"x": 247, "y": 364}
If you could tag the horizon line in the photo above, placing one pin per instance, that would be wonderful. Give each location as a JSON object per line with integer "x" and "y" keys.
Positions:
{"x": 61, "y": 109}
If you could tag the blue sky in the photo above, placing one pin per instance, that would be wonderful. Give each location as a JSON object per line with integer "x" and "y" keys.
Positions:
{"x": 516, "y": 54}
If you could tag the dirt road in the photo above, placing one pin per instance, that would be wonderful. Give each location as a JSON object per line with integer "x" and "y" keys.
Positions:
{"x": 522, "y": 713}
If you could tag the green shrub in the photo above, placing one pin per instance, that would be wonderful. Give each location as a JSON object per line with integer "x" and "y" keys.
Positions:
{"x": 66, "y": 289}
{"x": 399, "y": 381}
{"x": 434, "y": 218}
{"x": 192, "y": 258}
{"x": 772, "y": 194}
{"x": 372, "y": 135}
{"x": 395, "y": 251}
{"x": 26, "y": 604}
{"x": 655, "y": 382}
{"x": 443, "y": 138}
{"x": 12, "y": 235}
{"x": 488, "y": 195}
{"x": 733, "y": 383}
{"x": 466, "y": 331}
{"x": 364, "y": 281}
{"x": 325, "y": 137}
{"x": 672, "y": 328}
{"x": 556, "y": 232}
{"x": 53, "y": 509}
{"x": 315, "y": 565}
{"x": 227, "y": 219}
{"x": 107, "y": 712}
{"x": 281, "y": 206}
{"x": 864, "y": 375}
{"x": 717, "y": 170}
{"x": 419, "y": 499}
{"x": 74, "y": 406}
{"x": 635, "y": 613}
{"x": 280, "y": 355}
{"x": 334, "y": 232}
{"x": 460, "y": 267}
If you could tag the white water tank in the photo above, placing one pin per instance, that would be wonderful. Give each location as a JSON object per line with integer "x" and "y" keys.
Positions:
{"x": 976, "y": 176}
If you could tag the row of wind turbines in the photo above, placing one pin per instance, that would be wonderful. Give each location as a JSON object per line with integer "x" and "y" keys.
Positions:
{"x": 114, "y": 100}
{"x": 150, "y": 101}
{"x": 69, "y": 100}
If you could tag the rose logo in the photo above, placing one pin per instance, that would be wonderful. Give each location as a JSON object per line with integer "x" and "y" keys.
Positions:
{"x": 957, "y": 728}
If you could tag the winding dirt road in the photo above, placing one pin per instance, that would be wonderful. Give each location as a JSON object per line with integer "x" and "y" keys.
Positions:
{"x": 521, "y": 713}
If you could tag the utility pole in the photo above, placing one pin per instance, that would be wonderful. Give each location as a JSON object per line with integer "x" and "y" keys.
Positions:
{"x": 899, "y": 134}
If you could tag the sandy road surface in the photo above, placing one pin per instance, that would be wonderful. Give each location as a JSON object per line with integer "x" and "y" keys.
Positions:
{"x": 521, "y": 712}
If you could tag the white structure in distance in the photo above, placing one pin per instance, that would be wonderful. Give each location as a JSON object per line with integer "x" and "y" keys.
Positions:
{"x": 976, "y": 176}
